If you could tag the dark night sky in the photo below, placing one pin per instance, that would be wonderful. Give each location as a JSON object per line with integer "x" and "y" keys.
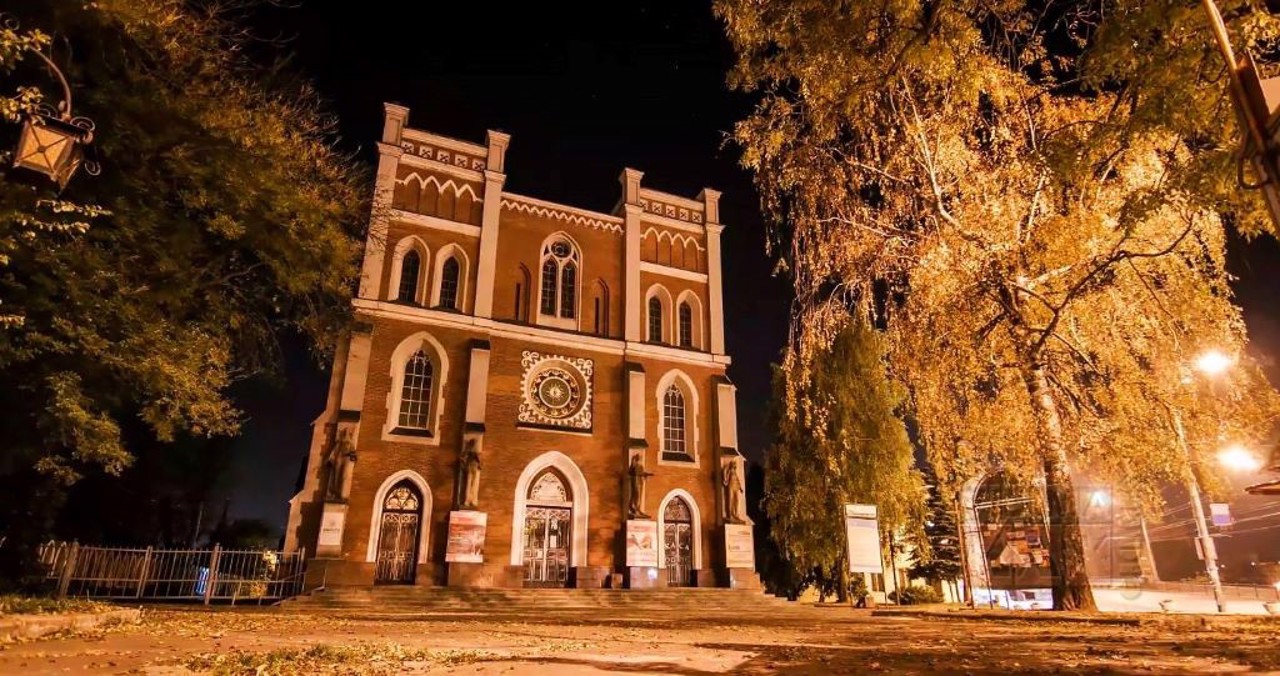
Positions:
{"x": 584, "y": 93}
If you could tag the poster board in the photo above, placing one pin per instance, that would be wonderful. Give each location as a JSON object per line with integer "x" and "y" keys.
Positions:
{"x": 332, "y": 522}
{"x": 642, "y": 543}
{"x": 739, "y": 546}
{"x": 862, "y": 539}
{"x": 466, "y": 537}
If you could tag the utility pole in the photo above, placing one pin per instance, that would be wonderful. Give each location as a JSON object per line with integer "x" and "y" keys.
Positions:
{"x": 1197, "y": 510}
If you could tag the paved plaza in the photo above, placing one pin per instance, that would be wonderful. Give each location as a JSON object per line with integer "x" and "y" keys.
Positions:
{"x": 786, "y": 640}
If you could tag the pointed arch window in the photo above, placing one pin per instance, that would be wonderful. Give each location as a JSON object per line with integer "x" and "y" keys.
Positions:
{"x": 686, "y": 325}
{"x": 568, "y": 290}
{"x": 655, "y": 319}
{"x": 558, "y": 295}
{"x": 415, "y": 393}
{"x": 549, "y": 273}
{"x": 449, "y": 274}
{"x": 410, "y": 269}
{"x": 674, "y": 440}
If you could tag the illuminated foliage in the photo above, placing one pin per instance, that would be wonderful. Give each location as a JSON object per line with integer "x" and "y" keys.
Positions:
{"x": 1032, "y": 196}
{"x": 844, "y": 444}
{"x": 225, "y": 217}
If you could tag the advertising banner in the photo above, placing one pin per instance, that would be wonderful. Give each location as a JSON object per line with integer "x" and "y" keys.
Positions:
{"x": 862, "y": 537}
{"x": 739, "y": 546}
{"x": 466, "y": 537}
{"x": 642, "y": 543}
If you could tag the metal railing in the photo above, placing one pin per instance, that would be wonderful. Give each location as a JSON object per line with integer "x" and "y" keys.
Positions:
{"x": 206, "y": 575}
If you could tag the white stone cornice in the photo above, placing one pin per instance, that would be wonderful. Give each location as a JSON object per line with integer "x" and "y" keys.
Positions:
{"x": 424, "y": 163}
{"x": 435, "y": 223}
{"x": 669, "y": 222}
{"x": 668, "y": 198}
{"x": 560, "y": 212}
{"x": 659, "y": 269}
{"x": 445, "y": 142}
{"x": 676, "y": 354}
{"x": 390, "y": 150}
{"x": 715, "y": 228}
{"x": 562, "y": 339}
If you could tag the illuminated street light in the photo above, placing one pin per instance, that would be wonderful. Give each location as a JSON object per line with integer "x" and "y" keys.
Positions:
{"x": 1239, "y": 459}
{"x": 52, "y": 140}
{"x": 1213, "y": 362}
{"x": 1099, "y": 498}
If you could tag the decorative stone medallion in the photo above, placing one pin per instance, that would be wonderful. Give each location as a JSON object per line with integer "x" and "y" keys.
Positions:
{"x": 556, "y": 391}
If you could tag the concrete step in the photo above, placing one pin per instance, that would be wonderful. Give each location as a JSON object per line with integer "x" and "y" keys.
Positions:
{"x": 443, "y": 600}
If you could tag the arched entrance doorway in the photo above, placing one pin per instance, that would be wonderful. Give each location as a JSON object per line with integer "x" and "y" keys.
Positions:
{"x": 398, "y": 534}
{"x": 548, "y": 519}
{"x": 677, "y": 543}
{"x": 1014, "y": 541}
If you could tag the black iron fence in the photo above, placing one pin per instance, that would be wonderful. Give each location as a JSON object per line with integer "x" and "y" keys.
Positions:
{"x": 205, "y": 575}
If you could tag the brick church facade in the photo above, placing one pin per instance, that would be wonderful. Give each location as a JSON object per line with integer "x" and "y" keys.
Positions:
{"x": 533, "y": 394}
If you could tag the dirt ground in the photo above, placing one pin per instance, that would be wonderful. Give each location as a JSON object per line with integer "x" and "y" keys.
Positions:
{"x": 816, "y": 641}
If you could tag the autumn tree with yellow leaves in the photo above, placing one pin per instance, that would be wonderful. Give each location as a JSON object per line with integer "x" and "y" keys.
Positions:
{"x": 1032, "y": 198}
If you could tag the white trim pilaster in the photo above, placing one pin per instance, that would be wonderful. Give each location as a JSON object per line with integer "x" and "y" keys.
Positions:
{"x": 494, "y": 179}
{"x": 715, "y": 293}
{"x": 633, "y": 212}
{"x": 478, "y": 382}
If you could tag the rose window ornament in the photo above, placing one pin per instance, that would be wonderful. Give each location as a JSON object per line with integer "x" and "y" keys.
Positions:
{"x": 557, "y": 391}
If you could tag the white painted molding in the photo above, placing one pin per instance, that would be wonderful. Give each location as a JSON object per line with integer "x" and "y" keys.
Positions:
{"x": 581, "y": 502}
{"x": 424, "y": 525}
{"x": 504, "y": 329}
{"x": 695, "y": 515}
{"x": 685, "y": 240}
{"x": 562, "y": 213}
{"x": 668, "y": 198}
{"x": 454, "y": 144}
{"x": 667, "y": 221}
{"x": 456, "y": 188}
{"x": 415, "y": 161}
{"x": 435, "y": 223}
{"x": 678, "y": 273}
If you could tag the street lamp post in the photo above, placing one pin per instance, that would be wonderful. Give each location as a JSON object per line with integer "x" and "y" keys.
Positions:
{"x": 53, "y": 140}
{"x": 1197, "y": 510}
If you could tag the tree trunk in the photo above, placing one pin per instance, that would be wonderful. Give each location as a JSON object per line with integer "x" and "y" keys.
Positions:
{"x": 844, "y": 595}
{"x": 1071, "y": 590}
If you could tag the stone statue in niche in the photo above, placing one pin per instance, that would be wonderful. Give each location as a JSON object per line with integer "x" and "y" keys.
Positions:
{"x": 342, "y": 455}
{"x": 735, "y": 495}
{"x": 469, "y": 474}
{"x": 639, "y": 477}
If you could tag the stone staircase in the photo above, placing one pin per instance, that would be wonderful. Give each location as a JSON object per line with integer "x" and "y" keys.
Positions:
{"x": 407, "y": 602}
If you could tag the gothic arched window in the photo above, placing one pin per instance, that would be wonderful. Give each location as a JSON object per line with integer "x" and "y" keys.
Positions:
{"x": 415, "y": 394}
{"x": 686, "y": 325}
{"x": 449, "y": 284}
{"x": 568, "y": 290}
{"x": 410, "y": 268}
{"x": 549, "y": 273}
{"x": 655, "y": 319}
{"x": 673, "y": 422}
{"x": 558, "y": 297}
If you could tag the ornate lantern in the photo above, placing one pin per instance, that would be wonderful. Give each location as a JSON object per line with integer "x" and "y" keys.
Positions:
{"x": 53, "y": 145}
{"x": 53, "y": 141}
